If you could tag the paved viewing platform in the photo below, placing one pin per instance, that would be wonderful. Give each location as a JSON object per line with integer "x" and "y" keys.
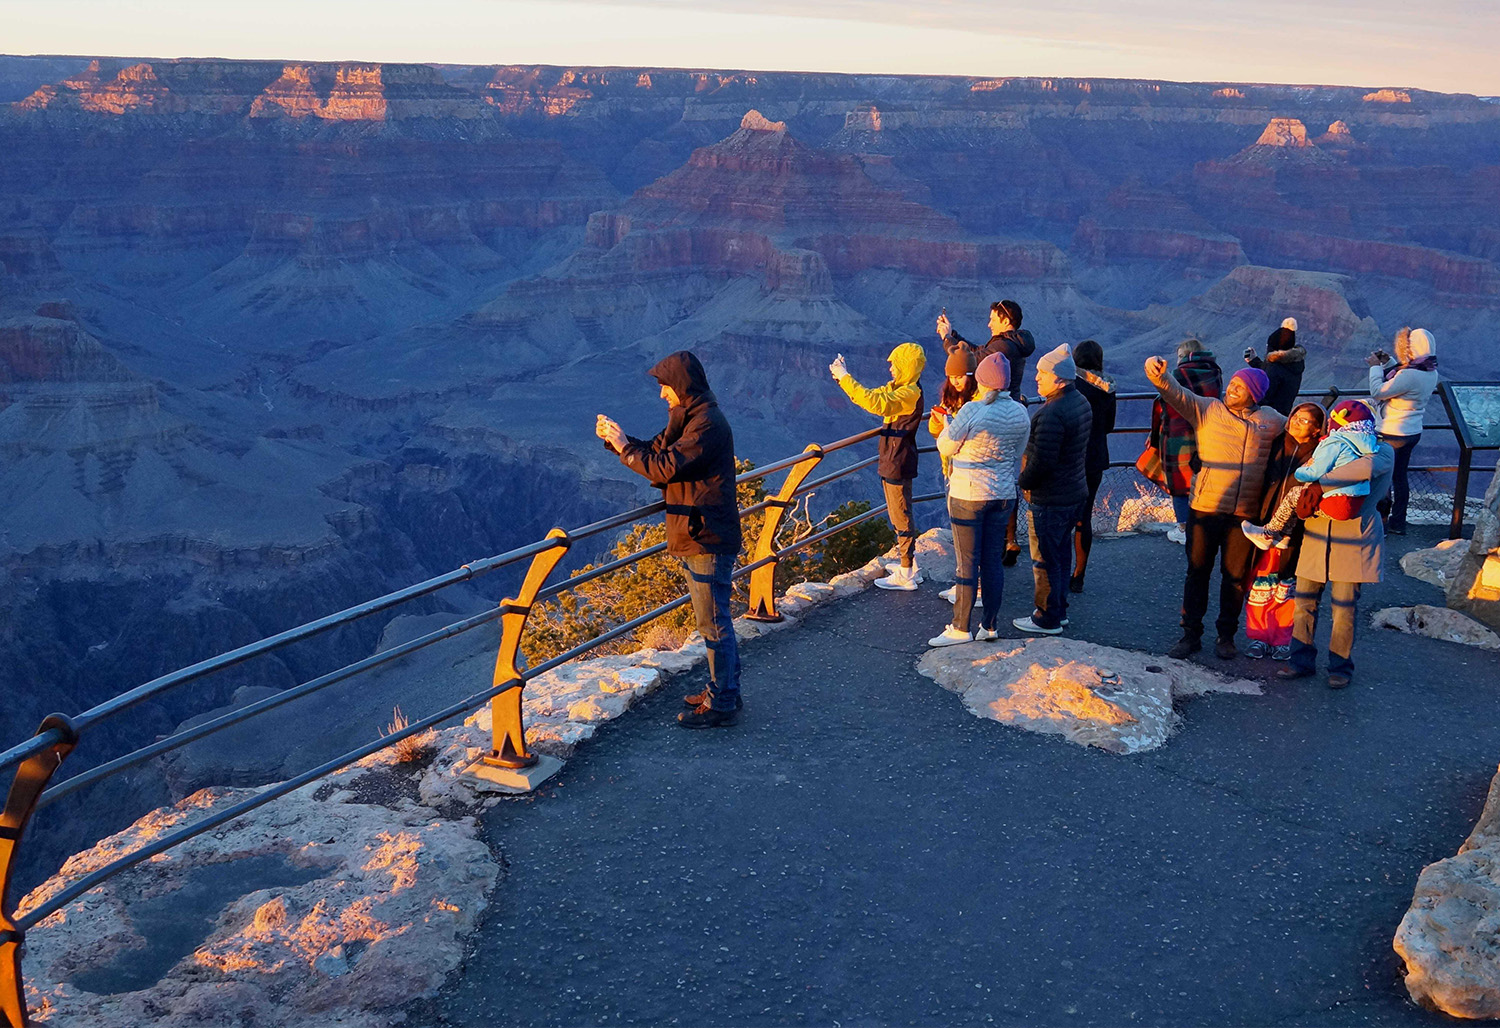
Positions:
{"x": 860, "y": 849}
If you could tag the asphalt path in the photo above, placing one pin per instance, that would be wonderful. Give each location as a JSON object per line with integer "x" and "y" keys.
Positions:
{"x": 860, "y": 850}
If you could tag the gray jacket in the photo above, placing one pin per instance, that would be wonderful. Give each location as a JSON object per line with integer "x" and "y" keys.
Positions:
{"x": 1353, "y": 550}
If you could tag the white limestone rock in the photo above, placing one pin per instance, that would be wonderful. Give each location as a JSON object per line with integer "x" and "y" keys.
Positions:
{"x": 1450, "y": 938}
{"x": 1437, "y": 623}
{"x": 1474, "y": 585}
{"x": 1150, "y": 511}
{"x": 811, "y": 592}
{"x": 1093, "y": 695}
{"x": 1436, "y": 565}
{"x": 381, "y": 922}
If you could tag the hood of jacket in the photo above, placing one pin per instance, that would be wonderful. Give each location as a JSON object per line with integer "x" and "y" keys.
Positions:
{"x": 907, "y": 360}
{"x": 1098, "y": 379}
{"x": 1289, "y": 355}
{"x": 1421, "y": 344}
{"x": 682, "y": 372}
{"x": 1018, "y": 343}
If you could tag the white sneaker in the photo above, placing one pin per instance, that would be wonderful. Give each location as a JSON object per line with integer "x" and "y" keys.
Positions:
{"x": 1027, "y": 625}
{"x": 950, "y": 637}
{"x": 904, "y": 579}
{"x": 985, "y": 635}
{"x": 895, "y": 566}
{"x": 1263, "y": 538}
{"x": 1177, "y": 535}
{"x": 950, "y": 594}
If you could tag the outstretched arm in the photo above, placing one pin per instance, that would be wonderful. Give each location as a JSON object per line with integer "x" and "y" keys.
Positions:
{"x": 886, "y": 401}
{"x": 1190, "y": 405}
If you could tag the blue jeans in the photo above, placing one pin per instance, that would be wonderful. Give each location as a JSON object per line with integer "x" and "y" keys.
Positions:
{"x": 709, "y": 582}
{"x": 1051, "y": 560}
{"x": 979, "y": 544}
{"x": 1180, "y": 507}
{"x": 1400, "y": 487}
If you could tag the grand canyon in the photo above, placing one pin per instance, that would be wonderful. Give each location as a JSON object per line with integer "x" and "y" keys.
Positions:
{"x": 277, "y": 337}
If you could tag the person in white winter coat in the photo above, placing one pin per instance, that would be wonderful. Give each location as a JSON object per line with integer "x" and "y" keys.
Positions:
{"x": 1400, "y": 389}
{"x": 985, "y": 440}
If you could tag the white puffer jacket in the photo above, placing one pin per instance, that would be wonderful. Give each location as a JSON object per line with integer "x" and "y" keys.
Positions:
{"x": 986, "y": 441}
{"x": 1402, "y": 399}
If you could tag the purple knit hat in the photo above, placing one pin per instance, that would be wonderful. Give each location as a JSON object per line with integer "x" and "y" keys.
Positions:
{"x": 994, "y": 372}
{"x": 1254, "y": 380}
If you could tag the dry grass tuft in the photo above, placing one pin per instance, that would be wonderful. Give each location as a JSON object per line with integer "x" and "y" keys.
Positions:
{"x": 413, "y": 747}
{"x": 658, "y": 635}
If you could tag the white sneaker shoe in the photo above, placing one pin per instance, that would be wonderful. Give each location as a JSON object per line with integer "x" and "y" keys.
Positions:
{"x": 1027, "y": 625}
{"x": 895, "y": 566}
{"x": 1262, "y": 538}
{"x": 985, "y": 635}
{"x": 950, "y": 594}
{"x": 950, "y": 637}
{"x": 1177, "y": 535}
{"x": 904, "y": 579}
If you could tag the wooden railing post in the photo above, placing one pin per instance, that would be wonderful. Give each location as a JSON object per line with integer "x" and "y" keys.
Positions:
{"x": 509, "y": 734}
{"x": 32, "y": 776}
{"x": 763, "y": 579}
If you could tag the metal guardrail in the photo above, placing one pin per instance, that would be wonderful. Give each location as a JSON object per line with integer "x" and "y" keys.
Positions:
{"x": 1463, "y": 469}
{"x": 38, "y": 759}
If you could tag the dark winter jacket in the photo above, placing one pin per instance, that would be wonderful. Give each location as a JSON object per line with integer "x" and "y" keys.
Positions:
{"x": 692, "y": 462}
{"x": 1017, "y": 345}
{"x": 1099, "y": 390}
{"x": 1052, "y": 469}
{"x": 1283, "y": 364}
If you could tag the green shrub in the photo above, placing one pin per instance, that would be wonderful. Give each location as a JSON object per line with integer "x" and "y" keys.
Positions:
{"x": 595, "y": 607}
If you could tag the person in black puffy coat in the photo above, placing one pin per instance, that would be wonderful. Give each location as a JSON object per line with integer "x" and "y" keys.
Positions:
{"x": 692, "y": 462}
{"x": 1099, "y": 390}
{"x": 1056, "y": 485}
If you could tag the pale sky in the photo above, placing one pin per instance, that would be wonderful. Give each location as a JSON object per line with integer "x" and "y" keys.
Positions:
{"x": 1447, "y": 45}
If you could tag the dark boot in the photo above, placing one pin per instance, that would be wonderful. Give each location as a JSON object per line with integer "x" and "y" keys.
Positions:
{"x": 1075, "y": 584}
{"x": 1224, "y": 649}
{"x": 1185, "y": 647}
{"x": 707, "y": 717}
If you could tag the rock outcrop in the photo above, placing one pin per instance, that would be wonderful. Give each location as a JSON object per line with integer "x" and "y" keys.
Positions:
{"x": 1448, "y": 938}
{"x": 1436, "y": 623}
{"x": 318, "y": 908}
{"x": 1436, "y": 565}
{"x": 1117, "y": 700}
{"x": 1474, "y": 583}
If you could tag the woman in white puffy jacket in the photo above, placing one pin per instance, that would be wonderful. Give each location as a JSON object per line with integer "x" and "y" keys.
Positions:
{"x": 985, "y": 440}
{"x": 1401, "y": 388}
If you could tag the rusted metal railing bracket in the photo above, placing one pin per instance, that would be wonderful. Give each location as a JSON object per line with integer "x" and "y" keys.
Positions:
{"x": 509, "y": 750}
{"x": 763, "y": 578}
{"x": 32, "y": 776}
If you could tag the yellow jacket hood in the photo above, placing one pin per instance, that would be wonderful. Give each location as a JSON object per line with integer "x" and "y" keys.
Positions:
{"x": 909, "y": 360}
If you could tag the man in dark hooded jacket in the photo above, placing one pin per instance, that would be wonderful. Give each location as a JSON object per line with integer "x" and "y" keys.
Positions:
{"x": 1006, "y": 336}
{"x": 692, "y": 462}
{"x": 1283, "y": 365}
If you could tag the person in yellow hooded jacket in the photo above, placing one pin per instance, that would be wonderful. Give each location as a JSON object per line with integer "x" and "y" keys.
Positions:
{"x": 899, "y": 403}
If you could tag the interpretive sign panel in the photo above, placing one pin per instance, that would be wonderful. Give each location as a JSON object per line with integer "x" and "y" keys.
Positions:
{"x": 1477, "y": 406}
